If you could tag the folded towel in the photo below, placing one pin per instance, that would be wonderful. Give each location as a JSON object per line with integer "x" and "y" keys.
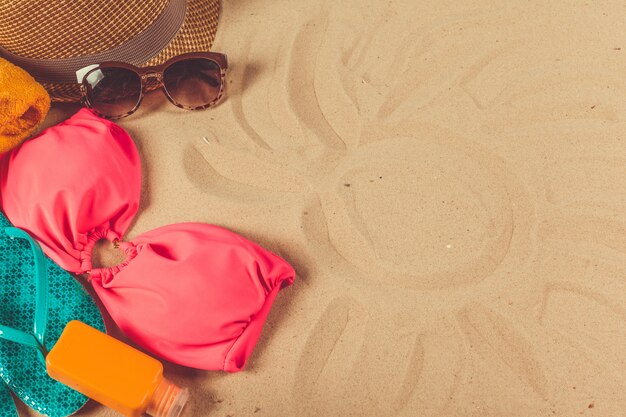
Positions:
{"x": 24, "y": 104}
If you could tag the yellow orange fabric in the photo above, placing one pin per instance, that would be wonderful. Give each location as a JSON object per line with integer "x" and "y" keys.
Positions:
{"x": 24, "y": 103}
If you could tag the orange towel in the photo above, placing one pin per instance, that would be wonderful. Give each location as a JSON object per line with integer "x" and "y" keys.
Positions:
{"x": 24, "y": 103}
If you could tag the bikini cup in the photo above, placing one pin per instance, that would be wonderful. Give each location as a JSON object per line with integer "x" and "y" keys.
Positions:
{"x": 192, "y": 293}
{"x": 74, "y": 184}
{"x": 197, "y": 294}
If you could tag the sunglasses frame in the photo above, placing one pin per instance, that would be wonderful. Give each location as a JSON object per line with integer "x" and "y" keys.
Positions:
{"x": 155, "y": 72}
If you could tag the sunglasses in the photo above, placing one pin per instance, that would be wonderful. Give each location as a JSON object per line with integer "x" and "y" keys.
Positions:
{"x": 192, "y": 81}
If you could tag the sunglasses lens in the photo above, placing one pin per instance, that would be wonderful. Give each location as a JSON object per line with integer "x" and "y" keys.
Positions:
{"x": 113, "y": 92}
{"x": 193, "y": 83}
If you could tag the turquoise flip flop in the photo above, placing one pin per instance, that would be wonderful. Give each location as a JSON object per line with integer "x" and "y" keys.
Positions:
{"x": 7, "y": 407}
{"x": 37, "y": 300}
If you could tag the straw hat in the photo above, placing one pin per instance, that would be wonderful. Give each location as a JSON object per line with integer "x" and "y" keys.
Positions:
{"x": 53, "y": 39}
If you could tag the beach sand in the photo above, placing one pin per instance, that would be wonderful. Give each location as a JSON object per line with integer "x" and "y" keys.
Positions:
{"x": 448, "y": 179}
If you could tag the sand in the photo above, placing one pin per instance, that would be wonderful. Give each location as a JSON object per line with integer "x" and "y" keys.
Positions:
{"x": 448, "y": 180}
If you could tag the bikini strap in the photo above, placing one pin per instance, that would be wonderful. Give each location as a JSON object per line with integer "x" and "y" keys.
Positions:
{"x": 37, "y": 338}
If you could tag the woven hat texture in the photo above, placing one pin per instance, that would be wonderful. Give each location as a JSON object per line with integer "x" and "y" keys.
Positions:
{"x": 37, "y": 34}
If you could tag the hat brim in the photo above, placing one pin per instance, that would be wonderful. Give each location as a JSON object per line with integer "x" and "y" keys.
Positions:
{"x": 195, "y": 35}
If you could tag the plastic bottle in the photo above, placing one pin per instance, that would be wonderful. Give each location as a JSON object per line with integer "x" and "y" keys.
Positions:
{"x": 113, "y": 373}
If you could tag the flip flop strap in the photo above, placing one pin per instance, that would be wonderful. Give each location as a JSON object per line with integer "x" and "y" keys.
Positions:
{"x": 37, "y": 338}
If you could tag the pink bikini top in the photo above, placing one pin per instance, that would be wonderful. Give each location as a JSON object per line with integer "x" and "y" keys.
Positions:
{"x": 192, "y": 293}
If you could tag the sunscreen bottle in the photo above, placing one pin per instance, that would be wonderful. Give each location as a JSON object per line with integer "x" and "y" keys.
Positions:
{"x": 113, "y": 373}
